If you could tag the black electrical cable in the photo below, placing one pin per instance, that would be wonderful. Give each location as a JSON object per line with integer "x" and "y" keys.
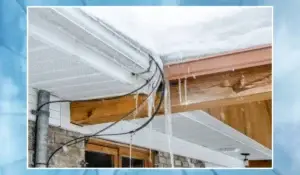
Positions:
{"x": 128, "y": 132}
{"x": 146, "y": 71}
{"x": 214, "y": 172}
{"x": 69, "y": 143}
{"x": 136, "y": 90}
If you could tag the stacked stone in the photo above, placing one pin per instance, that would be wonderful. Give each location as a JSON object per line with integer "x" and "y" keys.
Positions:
{"x": 56, "y": 137}
{"x": 163, "y": 159}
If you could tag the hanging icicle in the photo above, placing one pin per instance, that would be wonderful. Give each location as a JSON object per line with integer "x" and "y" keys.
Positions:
{"x": 130, "y": 149}
{"x": 168, "y": 122}
{"x": 179, "y": 90}
{"x": 136, "y": 105}
{"x": 150, "y": 105}
{"x": 153, "y": 95}
{"x": 185, "y": 91}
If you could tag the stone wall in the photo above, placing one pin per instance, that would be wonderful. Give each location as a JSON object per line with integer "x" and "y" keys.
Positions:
{"x": 57, "y": 136}
{"x": 163, "y": 159}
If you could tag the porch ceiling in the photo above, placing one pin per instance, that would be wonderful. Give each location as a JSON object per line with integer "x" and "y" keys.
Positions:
{"x": 73, "y": 63}
{"x": 202, "y": 129}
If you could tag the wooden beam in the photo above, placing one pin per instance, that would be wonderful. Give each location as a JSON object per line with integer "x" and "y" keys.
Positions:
{"x": 234, "y": 60}
{"x": 240, "y": 99}
{"x": 222, "y": 89}
{"x": 260, "y": 164}
{"x": 221, "y": 80}
{"x": 104, "y": 111}
{"x": 221, "y": 85}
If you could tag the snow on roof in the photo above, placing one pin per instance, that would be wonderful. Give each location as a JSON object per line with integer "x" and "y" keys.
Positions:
{"x": 180, "y": 32}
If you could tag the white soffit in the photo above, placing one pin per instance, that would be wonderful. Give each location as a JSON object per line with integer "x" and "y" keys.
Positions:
{"x": 177, "y": 32}
{"x": 156, "y": 140}
{"x": 73, "y": 63}
{"x": 202, "y": 129}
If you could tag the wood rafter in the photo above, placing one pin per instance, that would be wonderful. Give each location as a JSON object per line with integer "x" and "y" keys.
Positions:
{"x": 260, "y": 164}
{"x": 222, "y": 89}
{"x": 234, "y": 60}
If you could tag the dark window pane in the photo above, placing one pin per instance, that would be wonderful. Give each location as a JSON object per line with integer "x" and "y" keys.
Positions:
{"x": 134, "y": 162}
{"x": 97, "y": 159}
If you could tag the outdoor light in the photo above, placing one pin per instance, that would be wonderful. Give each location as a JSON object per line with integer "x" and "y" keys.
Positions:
{"x": 246, "y": 161}
{"x": 65, "y": 149}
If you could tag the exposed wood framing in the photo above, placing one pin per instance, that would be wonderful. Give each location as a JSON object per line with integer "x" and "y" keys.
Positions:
{"x": 222, "y": 89}
{"x": 252, "y": 119}
{"x": 208, "y": 86}
{"x": 104, "y": 111}
{"x": 234, "y": 60}
{"x": 260, "y": 164}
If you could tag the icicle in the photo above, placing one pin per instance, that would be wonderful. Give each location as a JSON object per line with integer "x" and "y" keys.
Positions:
{"x": 136, "y": 105}
{"x": 150, "y": 105}
{"x": 168, "y": 122}
{"x": 185, "y": 91}
{"x": 153, "y": 97}
{"x": 130, "y": 149}
{"x": 222, "y": 114}
{"x": 179, "y": 90}
{"x": 242, "y": 81}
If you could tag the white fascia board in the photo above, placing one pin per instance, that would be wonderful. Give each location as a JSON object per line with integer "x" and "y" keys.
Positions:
{"x": 226, "y": 130}
{"x": 101, "y": 32}
{"x": 55, "y": 37}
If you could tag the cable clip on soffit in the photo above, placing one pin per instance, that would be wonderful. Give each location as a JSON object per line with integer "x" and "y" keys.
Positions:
{"x": 35, "y": 112}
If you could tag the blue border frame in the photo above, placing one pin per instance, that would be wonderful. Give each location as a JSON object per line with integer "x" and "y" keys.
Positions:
{"x": 13, "y": 85}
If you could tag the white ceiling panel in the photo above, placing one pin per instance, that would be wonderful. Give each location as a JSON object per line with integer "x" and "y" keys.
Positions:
{"x": 66, "y": 74}
{"x": 200, "y": 128}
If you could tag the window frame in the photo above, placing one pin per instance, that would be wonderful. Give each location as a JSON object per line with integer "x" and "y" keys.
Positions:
{"x": 119, "y": 150}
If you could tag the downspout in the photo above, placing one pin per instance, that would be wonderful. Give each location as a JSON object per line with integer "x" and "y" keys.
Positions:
{"x": 42, "y": 124}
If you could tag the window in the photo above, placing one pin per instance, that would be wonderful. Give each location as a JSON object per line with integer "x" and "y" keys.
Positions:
{"x": 102, "y": 153}
{"x": 134, "y": 162}
{"x": 98, "y": 159}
